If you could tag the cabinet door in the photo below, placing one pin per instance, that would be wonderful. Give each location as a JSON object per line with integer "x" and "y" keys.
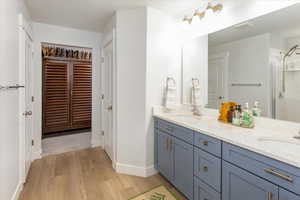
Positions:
{"x": 204, "y": 192}
{"x": 164, "y": 155}
{"x": 81, "y": 95}
{"x": 56, "y": 96}
{"x": 285, "y": 195}
{"x": 239, "y": 184}
{"x": 183, "y": 166}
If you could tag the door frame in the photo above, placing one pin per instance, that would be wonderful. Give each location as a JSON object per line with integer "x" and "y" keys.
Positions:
{"x": 225, "y": 56}
{"x": 25, "y": 31}
{"x": 108, "y": 38}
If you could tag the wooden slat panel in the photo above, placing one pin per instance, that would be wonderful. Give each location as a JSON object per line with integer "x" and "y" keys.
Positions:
{"x": 56, "y": 98}
{"x": 82, "y": 93}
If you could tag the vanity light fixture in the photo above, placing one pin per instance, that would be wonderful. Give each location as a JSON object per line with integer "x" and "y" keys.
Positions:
{"x": 201, "y": 15}
{"x": 215, "y": 8}
{"x": 186, "y": 19}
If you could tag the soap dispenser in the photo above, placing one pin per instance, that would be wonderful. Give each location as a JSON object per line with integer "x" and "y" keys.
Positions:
{"x": 247, "y": 119}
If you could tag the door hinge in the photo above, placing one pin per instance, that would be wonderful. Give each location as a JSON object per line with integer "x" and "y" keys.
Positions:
{"x": 102, "y": 132}
{"x": 32, "y": 99}
{"x": 32, "y": 142}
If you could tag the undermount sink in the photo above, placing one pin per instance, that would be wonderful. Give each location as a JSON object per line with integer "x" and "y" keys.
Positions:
{"x": 281, "y": 140}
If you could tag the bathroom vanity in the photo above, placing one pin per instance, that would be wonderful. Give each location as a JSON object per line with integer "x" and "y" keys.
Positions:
{"x": 208, "y": 160}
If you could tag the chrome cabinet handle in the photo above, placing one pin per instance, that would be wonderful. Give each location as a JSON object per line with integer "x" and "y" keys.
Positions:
{"x": 205, "y": 143}
{"x": 270, "y": 196}
{"x": 278, "y": 174}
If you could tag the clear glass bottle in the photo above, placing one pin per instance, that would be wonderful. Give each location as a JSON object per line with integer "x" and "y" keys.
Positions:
{"x": 256, "y": 111}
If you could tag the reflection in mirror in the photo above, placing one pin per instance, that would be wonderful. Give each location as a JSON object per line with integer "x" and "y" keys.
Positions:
{"x": 258, "y": 60}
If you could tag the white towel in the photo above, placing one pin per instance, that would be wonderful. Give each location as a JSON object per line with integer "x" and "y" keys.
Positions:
{"x": 196, "y": 97}
{"x": 171, "y": 94}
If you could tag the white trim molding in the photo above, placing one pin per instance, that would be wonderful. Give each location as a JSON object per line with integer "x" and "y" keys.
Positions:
{"x": 17, "y": 191}
{"x": 135, "y": 170}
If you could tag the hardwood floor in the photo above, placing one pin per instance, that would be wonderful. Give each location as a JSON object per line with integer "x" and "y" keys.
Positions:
{"x": 84, "y": 175}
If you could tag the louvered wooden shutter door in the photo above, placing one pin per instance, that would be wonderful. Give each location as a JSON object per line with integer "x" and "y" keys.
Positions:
{"x": 56, "y": 98}
{"x": 82, "y": 94}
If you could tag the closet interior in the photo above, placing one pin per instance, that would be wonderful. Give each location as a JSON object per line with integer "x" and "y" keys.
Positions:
{"x": 67, "y": 89}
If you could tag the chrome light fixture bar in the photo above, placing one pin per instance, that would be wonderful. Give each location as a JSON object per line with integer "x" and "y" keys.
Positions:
{"x": 215, "y": 8}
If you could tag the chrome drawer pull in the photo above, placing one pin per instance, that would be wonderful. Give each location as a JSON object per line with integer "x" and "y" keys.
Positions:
{"x": 275, "y": 173}
{"x": 270, "y": 196}
{"x": 205, "y": 143}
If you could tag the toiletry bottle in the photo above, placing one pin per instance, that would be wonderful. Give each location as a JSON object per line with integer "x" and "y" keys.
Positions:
{"x": 256, "y": 111}
{"x": 247, "y": 119}
{"x": 230, "y": 114}
{"x": 237, "y": 115}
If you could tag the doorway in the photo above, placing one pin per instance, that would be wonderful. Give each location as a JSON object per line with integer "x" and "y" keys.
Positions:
{"x": 67, "y": 89}
{"x": 217, "y": 79}
{"x": 26, "y": 97}
{"x": 67, "y": 98}
{"x": 107, "y": 98}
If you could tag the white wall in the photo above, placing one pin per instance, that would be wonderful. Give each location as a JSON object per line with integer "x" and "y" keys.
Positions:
{"x": 10, "y": 182}
{"x": 248, "y": 63}
{"x": 73, "y": 37}
{"x": 131, "y": 89}
{"x": 195, "y": 63}
{"x": 163, "y": 60}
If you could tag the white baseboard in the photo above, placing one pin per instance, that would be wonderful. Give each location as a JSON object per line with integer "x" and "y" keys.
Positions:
{"x": 17, "y": 192}
{"x": 135, "y": 170}
{"x": 96, "y": 140}
{"x": 36, "y": 155}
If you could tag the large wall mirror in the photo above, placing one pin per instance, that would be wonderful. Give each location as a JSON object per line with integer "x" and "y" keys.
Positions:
{"x": 258, "y": 60}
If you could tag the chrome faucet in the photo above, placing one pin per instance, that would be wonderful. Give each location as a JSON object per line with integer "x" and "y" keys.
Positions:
{"x": 297, "y": 136}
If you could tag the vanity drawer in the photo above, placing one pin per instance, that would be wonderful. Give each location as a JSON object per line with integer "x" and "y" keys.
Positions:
{"x": 274, "y": 171}
{"x": 207, "y": 168}
{"x": 182, "y": 133}
{"x": 209, "y": 144}
{"x": 204, "y": 192}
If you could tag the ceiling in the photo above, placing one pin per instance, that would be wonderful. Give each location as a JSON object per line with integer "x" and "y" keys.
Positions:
{"x": 285, "y": 22}
{"x": 93, "y": 14}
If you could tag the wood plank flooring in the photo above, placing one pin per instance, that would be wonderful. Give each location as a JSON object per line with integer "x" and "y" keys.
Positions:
{"x": 84, "y": 175}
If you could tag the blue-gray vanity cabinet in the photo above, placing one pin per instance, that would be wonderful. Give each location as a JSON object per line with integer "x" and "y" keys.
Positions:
{"x": 277, "y": 172}
{"x": 183, "y": 166}
{"x": 164, "y": 155}
{"x": 203, "y": 192}
{"x": 208, "y": 144}
{"x": 182, "y": 133}
{"x": 285, "y": 195}
{"x": 239, "y": 184}
{"x": 175, "y": 161}
{"x": 207, "y": 168}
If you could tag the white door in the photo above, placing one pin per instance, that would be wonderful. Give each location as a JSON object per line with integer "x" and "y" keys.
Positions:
{"x": 217, "y": 79}
{"x": 108, "y": 99}
{"x": 28, "y": 103}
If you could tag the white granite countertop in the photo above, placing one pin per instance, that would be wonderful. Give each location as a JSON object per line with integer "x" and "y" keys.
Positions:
{"x": 269, "y": 137}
